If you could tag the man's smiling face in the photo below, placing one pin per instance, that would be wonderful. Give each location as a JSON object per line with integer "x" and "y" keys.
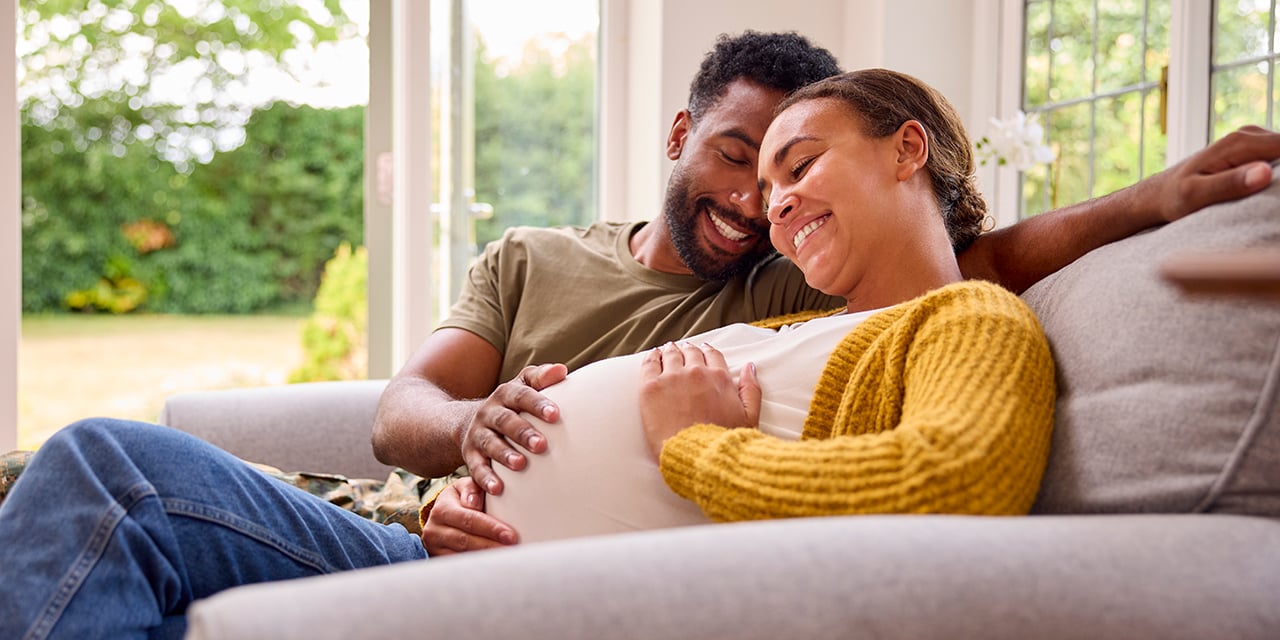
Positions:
{"x": 713, "y": 206}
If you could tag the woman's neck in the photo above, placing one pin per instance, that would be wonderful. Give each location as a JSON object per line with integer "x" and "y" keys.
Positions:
{"x": 909, "y": 270}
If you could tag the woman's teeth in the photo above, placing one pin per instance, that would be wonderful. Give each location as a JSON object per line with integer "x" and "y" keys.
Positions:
{"x": 726, "y": 230}
{"x": 804, "y": 231}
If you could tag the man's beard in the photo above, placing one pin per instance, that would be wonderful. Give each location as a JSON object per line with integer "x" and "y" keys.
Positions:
{"x": 682, "y": 218}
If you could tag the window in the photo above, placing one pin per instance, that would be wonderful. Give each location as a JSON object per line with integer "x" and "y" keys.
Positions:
{"x": 1125, "y": 87}
{"x": 1243, "y": 71}
{"x": 514, "y": 89}
{"x": 1093, "y": 72}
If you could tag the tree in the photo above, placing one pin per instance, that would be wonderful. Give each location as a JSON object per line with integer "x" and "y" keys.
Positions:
{"x": 535, "y": 139}
{"x": 246, "y": 231}
{"x": 97, "y": 68}
{"x": 116, "y": 213}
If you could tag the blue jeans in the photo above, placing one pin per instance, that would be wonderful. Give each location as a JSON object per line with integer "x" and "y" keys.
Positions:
{"x": 116, "y": 527}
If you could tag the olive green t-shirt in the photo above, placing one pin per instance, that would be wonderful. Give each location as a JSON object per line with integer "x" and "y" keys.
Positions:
{"x": 576, "y": 295}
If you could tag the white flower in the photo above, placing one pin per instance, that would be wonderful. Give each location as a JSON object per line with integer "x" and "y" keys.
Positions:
{"x": 1018, "y": 141}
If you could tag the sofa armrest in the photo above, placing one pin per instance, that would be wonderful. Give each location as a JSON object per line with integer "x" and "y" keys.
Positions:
{"x": 1144, "y": 576}
{"x": 321, "y": 427}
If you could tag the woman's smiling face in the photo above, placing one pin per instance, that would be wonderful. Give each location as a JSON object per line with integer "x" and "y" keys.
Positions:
{"x": 831, "y": 193}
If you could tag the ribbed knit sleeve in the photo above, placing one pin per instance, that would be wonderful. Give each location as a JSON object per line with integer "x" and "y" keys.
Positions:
{"x": 943, "y": 404}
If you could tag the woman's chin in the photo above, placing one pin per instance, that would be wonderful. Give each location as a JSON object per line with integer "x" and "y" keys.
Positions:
{"x": 817, "y": 276}
{"x": 825, "y": 287}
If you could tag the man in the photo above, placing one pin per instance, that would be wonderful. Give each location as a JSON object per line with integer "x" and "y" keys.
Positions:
{"x": 576, "y": 296}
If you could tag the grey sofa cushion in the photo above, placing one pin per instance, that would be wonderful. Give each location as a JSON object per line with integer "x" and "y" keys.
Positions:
{"x": 899, "y": 577}
{"x": 318, "y": 427}
{"x": 1167, "y": 402}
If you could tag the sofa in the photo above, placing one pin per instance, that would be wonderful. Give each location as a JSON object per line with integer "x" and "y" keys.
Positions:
{"x": 1158, "y": 515}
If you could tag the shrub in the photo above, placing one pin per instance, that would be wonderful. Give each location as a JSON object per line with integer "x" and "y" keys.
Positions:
{"x": 334, "y": 338}
{"x": 248, "y": 231}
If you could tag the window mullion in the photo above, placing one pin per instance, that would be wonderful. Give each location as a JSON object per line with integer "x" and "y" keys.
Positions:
{"x": 1271, "y": 66}
{"x": 412, "y": 223}
{"x": 1143, "y": 78}
{"x": 1189, "y": 57}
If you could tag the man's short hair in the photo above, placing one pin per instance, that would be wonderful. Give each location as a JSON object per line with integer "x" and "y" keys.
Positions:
{"x": 782, "y": 61}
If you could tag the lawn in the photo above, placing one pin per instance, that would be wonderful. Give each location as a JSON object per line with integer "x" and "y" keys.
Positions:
{"x": 77, "y": 366}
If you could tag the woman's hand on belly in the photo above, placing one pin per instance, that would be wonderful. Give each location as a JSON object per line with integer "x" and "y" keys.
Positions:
{"x": 458, "y": 523}
{"x": 685, "y": 384}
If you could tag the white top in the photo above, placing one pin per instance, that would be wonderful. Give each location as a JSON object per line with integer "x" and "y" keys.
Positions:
{"x": 598, "y": 475}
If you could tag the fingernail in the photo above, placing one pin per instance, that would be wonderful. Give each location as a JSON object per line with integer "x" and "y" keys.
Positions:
{"x": 491, "y": 486}
{"x": 1258, "y": 175}
{"x": 535, "y": 442}
{"x": 506, "y": 537}
{"x": 546, "y": 411}
{"x": 472, "y": 501}
{"x": 512, "y": 459}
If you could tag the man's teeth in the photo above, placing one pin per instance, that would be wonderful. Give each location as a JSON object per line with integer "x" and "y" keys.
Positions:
{"x": 804, "y": 231}
{"x": 726, "y": 230}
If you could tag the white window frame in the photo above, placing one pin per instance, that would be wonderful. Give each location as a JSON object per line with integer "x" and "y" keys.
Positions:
{"x": 1190, "y": 51}
{"x": 10, "y": 226}
{"x": 398, "y": 222}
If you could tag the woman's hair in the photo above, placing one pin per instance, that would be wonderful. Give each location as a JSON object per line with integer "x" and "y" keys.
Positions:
{"x": 884, "y": 100}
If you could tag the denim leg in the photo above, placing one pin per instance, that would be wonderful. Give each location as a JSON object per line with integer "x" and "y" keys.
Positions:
{"x": 116, "y": 527}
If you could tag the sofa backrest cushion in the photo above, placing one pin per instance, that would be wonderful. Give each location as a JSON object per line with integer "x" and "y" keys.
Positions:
{"x": 1167, "y": 402}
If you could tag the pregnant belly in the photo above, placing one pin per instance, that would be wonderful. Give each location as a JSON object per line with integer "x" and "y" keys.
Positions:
{"x": 597, "y": 476}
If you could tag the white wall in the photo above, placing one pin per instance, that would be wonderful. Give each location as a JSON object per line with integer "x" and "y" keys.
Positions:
{"x": 665, "y": 41}
{"x": 933, "y": 40}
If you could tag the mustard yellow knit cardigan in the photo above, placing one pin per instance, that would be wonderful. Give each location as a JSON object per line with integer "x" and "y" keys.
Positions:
{"x": 943, "y": 404}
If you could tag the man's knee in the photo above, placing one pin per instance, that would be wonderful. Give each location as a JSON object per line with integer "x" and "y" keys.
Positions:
{"x": 94, "y": 430}
{"x": 97, "y": 439}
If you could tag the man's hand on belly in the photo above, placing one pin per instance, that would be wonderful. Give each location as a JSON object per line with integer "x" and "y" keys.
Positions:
{"x": 497, "y": 423}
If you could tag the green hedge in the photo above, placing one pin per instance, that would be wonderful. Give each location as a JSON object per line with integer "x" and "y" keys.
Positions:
{"x": 108, "y": 226}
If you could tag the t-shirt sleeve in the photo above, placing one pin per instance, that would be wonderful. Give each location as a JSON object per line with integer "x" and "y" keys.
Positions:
{"x": 481, "y": 306}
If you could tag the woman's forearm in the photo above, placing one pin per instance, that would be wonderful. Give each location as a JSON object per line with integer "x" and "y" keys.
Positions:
{"x": 951, "y": 412}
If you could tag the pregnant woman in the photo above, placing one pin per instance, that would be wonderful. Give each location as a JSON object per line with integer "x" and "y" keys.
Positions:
{"x": 924, "y": 394}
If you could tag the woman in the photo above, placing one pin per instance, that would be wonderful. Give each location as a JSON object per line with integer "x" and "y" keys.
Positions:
{"x": 936, "y": 394}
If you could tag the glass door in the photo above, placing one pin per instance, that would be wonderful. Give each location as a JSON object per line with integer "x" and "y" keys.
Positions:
{"x": 514, "y": 87}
